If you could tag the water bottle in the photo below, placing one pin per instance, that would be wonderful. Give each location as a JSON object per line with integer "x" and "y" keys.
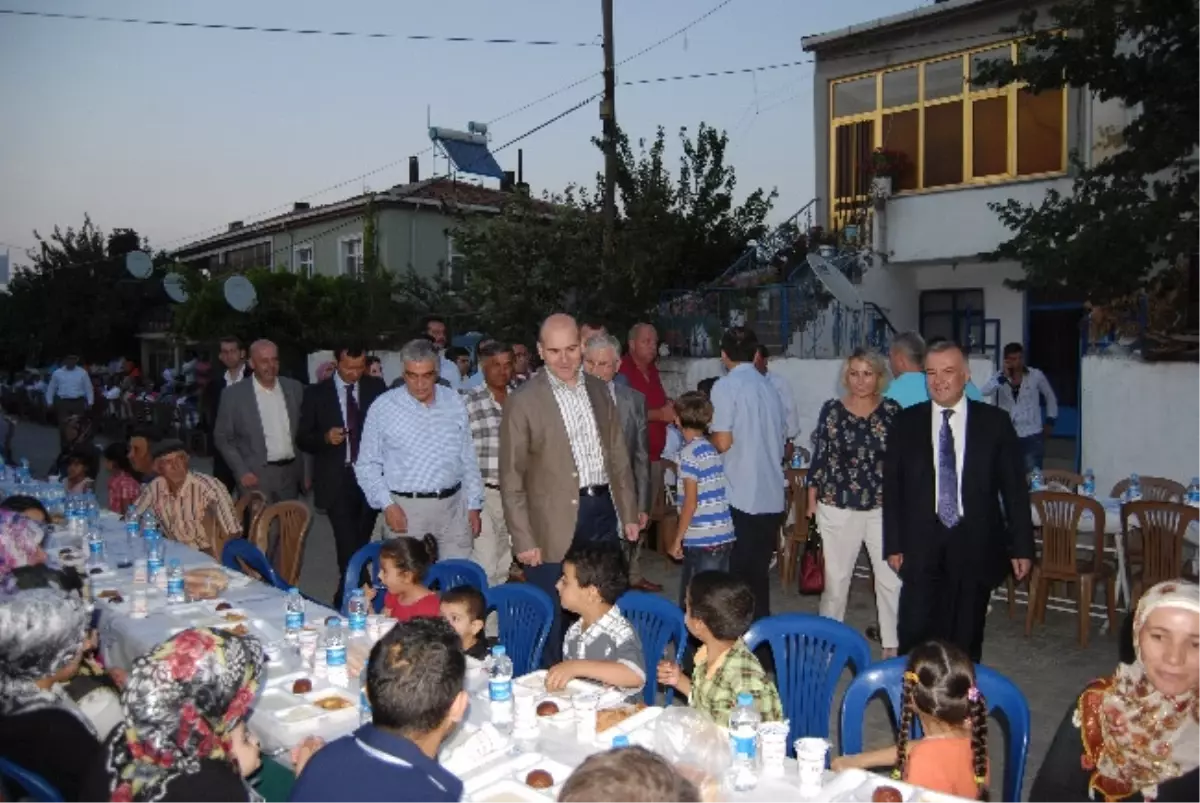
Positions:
{"x": 499, "y": 668}
{"x": 364, "y": 705}
{"x": 149, "y": 523}
{"x": 1089, "y": 484}
{"x": 1134, "y": 493}
{"x": 620, "y": 740}
{"x": 356, "y": 609}
{"x": 154, "y": 556}
{"x": 743, "y": 743}
{"x": 3, "y": 471}
{"x": 1036, "y": 481}
{"x": 1192, "y": 496}
{"x": 335, "y": 653}
{"x": 175, "y": 593}
{"x": 92, "y": 510}
{"x": 95, "y": 548}
{"x": 293, "y": 619}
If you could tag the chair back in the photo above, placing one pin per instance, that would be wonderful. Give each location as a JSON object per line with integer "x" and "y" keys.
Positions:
{"x": 658, "y": 623}
{"x": 525, "y": 614}
{"x": 1057, "y": 479}
{"x": 1154, "y": 489}
{"x": 368, "y": 553}
{"x": 798, "y": 488}
{"x": 1163, "y": 526}
{"x": 33, "y": 785}
{"x": 1002, "y": 695}
{"x": 1060, "y": 514}
{"x": 248, "y": 507}
{"x": 293, "y": 517}
{"x": 246, "y": 558}
{"x": 217, "y": 537}
{"x": 455, "y": 572}
{"x": 810, "y": 654}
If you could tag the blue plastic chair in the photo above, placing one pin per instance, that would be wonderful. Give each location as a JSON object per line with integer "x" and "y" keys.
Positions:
{"x": 368, "y": 553}
{"x": 810, "y": 654}
{"x": 455, "y": 572}
{"x": 525, "y": 614}
{"x": 1002, "y": 695}
{"x": 239, "y": 550}
{"x": 658, "y": 623}
{"x": 34, "y": 786}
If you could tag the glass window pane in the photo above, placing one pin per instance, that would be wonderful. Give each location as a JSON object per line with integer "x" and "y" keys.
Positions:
{"x": 854, "y": 97}
{"x": 944, "y": 79}
{"x": 934, "y": 301}
{"x": 1040, "y": 132}
{"x": 900, "y": 87}
{"x": 938, "y": 326}
{"x": 995, "y": 54}
{"x": 900, "y": 134}
{"x": 989, "y": 137}
{"x": 853, "y": 143}
{"x": 943, "y": 144}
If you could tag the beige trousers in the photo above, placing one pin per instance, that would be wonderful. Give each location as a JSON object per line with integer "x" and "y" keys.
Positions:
{"x": 843, "y": 534}
{"x": 493, "y": 548}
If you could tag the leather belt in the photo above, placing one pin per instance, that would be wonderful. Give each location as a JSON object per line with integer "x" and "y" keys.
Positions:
{"x": 493, "y": 485}
{"x": 594, "y": 490}
{"x": 445, "y": 493}
{"x": 287, "y": 462}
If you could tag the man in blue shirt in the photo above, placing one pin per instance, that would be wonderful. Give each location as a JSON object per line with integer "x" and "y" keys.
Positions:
{"x": 415, "y": 689}
{"x": 907, "y": 359}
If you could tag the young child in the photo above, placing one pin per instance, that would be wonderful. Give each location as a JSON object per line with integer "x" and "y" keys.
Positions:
{"x": 78, "y": 479}
{"x": 123, "y": 487}
{"x": 705, "y": 531}
{"x": 720, "y": 609}
{"x": 403, "y": 562}
{"x": 627, "y": 773}
{"x": 465, "y": 608}
{"x": 600, "y": 646}
{"x": 939, "y": 689}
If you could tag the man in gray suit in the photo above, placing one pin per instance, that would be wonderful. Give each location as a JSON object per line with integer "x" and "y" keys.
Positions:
{"x": 256, "y": 428}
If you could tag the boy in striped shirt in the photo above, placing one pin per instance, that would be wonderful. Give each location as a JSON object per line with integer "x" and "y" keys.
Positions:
{"x": 705, "y": 535}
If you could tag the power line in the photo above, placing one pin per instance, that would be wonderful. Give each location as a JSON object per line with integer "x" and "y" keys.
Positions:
{"x": 662, "y": 79}
{"x": 222, "y": 26}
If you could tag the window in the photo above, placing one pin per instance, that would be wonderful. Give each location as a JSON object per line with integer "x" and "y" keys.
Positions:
{"x": 351, "y": 257}
{"x": 302, "y": 260}
{"x": 953, "y": 314}
{"x": 456, "y": 275}
{"x": 249, "y": 257}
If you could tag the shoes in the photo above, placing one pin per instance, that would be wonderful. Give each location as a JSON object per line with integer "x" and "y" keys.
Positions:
{"x": 872, "y": 631}
{"x": 646, "y": 585}
{"x": 516, "y": 574}
{"x": 774, "y": 560}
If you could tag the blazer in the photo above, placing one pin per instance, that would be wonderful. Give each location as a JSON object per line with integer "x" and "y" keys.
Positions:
{"x": 239, "y": 435}
{"x": 539, "y": 482}
{"x": 320, "y": 412}
{"x": 996, "y": 523}
{"x": 631, "y": 411}
{"x": 211, "y": 405}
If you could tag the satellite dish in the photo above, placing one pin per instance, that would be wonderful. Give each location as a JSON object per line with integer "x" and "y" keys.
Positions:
{"x": 139, "y": 264}
{"x": 240, "y": 293}
{"x": 835, "y": 281}
{"x": 176, "y": 287}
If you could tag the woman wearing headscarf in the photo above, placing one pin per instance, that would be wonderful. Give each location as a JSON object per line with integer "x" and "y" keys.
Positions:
{"x": 1136, "y": 735}
{"x": 42, "y": 635}
{"x": 22, "y": 530}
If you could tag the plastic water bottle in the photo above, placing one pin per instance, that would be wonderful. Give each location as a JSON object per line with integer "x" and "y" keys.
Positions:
{"x": 95, "y": 546}
{"x": 335, "y": 653}
{"x": 356, "y": 609}
{"x": 1089, "y": 484}
{"x": 364, "y": 705}
{"x": 1036, "y": 481}
{"x": 92, "y": 510}
{"x": 3, "y": 471}
{"x": 293, "y": 618}
{"x": 1192, "y": 496}
{"x": 175, "y": 593}
{"x": 743, "y": 743}
{"x": 499, "y": 668}
{"x": 620, "y": 740}
{"x": 1134, "y": 492}
{"x": 154, "y": 556}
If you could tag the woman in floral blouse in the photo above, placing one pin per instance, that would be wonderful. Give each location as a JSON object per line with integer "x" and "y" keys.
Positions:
{"x": 845, "y": 489}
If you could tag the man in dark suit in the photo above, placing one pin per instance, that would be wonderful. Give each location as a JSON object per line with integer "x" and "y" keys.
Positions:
{"x": 233, "y": 357}
{"x": 955, "y": 508}
{"x": 331, "y": 420}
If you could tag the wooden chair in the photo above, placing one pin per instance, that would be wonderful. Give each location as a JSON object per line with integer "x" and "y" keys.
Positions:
{"x": 794, "y": 545}
{"x": 1163, "y": 526}
{"x": 1059, "y": 480}
{"x": 247, "y": 509}
{"x": 293, "y": 518}
{"x": 1060, "y": 514}
{"x": 217, "y": 537}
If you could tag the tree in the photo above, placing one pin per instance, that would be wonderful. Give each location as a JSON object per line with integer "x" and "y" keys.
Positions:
{"x": 1130, "y": 219}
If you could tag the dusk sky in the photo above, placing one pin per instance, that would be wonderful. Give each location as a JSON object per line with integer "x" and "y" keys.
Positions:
{"x": 174, "y": 132}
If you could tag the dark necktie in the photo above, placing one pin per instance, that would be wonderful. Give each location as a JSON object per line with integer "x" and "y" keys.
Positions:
{"x": 947, "y": 502}
{"x": 353, "y": 422}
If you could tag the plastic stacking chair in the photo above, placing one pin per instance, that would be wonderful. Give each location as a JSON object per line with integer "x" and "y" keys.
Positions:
{"x": 810, "y": 653}
{"x": 246, "y": 558}
{"x": 34, "y": 786}
{"x": 455, "y": 572}
{"x": 368, "y": 553}
{"x": 658, "y": 623}
{"x": 1002, "y": 695}
{"x": 525, "y": 615}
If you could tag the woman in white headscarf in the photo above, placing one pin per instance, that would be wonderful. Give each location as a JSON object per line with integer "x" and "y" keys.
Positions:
{"x": 1136, "y": 735}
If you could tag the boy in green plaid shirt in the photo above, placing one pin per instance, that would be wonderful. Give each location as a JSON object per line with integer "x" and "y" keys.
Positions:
{"x": 720, "y": 609}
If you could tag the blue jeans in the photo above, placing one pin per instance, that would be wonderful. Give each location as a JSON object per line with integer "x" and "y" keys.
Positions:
{"x": 1033, "y": 450}
{"x": 700, "y": 559}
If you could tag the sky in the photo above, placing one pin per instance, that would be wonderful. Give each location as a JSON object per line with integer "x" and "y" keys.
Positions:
{"x": 175, "y": 132}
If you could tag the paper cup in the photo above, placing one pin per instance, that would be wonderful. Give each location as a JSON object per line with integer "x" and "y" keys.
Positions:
{"x": 810, "y": 761}
{"x": 772, "y": 741}
{"x": 585, "y": 705}
{"x": 525, "y": 718}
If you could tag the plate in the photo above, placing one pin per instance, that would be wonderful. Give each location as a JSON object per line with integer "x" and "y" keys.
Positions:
{"x": 515, "y": 770}
{"x": 303, "y": 714}
{"x": 349, "y": 709}
{"x": 508, "y": 791}
{"x": 272, "y": 700}
{"x": 867, "y": 786}
{"x": 634, "y": 723}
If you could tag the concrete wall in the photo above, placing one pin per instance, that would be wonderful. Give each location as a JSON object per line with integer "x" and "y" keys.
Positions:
{"x": 1140, "y": 417}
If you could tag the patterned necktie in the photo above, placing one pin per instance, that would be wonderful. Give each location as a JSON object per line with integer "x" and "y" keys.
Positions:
{"x": 947, "y": 502}
{"x": 353, "y": 422}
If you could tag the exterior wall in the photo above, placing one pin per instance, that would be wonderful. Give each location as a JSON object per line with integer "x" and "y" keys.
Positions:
{"x": 998, "y": 301}
{"x": 406, "y": 238}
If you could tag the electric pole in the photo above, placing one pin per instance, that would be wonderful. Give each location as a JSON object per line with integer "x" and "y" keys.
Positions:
{"x": 608, "y": 116}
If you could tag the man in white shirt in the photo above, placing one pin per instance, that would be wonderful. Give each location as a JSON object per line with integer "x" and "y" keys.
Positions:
{"x": 790, "y": 411}
{"x": 436, "y": 331}
{"x": 69, "y": 393}
{"x": 1019, "y": 392}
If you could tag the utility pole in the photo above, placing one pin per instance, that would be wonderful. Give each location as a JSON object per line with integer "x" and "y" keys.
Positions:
{"x": 608, "y": 116}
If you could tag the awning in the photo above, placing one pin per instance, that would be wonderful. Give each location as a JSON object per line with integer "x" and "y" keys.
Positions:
{"x": 470, "y": 157}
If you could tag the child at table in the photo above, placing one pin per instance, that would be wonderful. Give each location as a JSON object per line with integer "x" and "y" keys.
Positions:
{"x": 79, "y": 473}
{"x": 465, "y": 608}
{"x": 719, "y": 610}
{"x": 952, "y": 758}
{"x": 601, "y": 645}
{"x": 403, "y": 562}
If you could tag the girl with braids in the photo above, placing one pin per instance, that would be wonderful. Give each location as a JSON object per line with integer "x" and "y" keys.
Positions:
{"x": 939, "y": 690}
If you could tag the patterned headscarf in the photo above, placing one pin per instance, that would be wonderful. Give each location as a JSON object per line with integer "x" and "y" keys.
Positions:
{"x": 1134, "y": 736}
{"x": 20, "y": 544}
{"x": 325, "y": 370}
{"x": 42, "y": 630}
{"x": 182, "y": 702}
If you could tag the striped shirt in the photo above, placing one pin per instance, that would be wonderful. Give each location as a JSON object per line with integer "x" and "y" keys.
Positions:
{"x": 484, "y": 414}
{"x": 1024, "y": 406}
{"x": 712, "y": 523}
{"x": 182, "y": 514}
{"x": 411, "y": 447}
{"x": 123, "y": 491}
{"x": 582, "y": 431}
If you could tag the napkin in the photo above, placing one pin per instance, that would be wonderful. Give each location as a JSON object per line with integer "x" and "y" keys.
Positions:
{"x": 480, "y": 745}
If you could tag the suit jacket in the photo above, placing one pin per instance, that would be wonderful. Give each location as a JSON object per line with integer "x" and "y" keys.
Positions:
{"x": 996, "y": 523}
{"x": 539, "y": 482}
{"x": 239, "y": 435}
{"x": 211, "y": 405}
{"x": 631, "y": 411}
{"x": 321, "y": 412}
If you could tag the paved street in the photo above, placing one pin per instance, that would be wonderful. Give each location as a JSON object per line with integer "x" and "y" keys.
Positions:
{"x": 1050, "y": 667}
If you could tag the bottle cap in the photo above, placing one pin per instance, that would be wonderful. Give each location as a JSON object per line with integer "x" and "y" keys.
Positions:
{"x": 745, "y": 698}
{"x": 499, "y": 649}
{"x": 620, "y": 740}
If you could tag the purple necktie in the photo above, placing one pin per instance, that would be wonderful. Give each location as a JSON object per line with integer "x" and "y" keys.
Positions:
{"x": 353, "y": 422}
{"x": 947, "y": 502}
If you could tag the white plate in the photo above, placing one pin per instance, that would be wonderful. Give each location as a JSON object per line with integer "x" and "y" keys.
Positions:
{"x": 516, "y": 769}
{"x": 636, "y": 722}
{"x": 508, "y": 791}
{"x": 350, "y": 711}
{"x": 285, "y": 681}
{"x": 868, "y": 783}
{"x": 299, "y": 715}
{"x": 272, "y": 700}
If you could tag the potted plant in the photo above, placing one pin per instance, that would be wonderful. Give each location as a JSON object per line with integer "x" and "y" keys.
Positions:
{"x": 885, "y": 166}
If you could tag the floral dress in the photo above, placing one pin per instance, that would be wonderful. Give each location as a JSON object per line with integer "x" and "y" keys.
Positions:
{"x": 847, "y": 468}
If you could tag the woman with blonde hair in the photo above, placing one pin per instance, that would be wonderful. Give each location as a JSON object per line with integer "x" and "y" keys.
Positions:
{"x": 845, "y": 489}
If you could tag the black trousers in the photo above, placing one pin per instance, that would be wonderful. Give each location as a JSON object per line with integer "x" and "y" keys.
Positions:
{"x": 352, "y": 519}
{"x": 942, "y": 600}
{"x": 750, "y": 561}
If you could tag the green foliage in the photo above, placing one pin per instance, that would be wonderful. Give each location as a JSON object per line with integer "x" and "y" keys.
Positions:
{"x": 1134, "y": 211}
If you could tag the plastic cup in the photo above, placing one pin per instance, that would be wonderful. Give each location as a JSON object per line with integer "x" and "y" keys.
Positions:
{"x": 307, "y": 639}
{"x": 141, "y": 573}
{"x": 140, "y": 607}
{"x": 810, "y": 761}
{"x": 525, "y": 719}
{"x": 585, "y": 705}
{"x": 772, "y": 740}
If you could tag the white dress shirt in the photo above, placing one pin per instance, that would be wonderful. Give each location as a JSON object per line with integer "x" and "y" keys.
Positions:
{"x": 1025, "y": 408}
{"x": 791, "y": 415}
{"x": 69, "y": 383}
{"x": 277, "y": 426}
{"x": 449, "y": 372}
{"x": 340, "y": 384}
{"x": 958, "y": 427}
{"x": 580, "y": 420}
{"x": 235, "y": 376}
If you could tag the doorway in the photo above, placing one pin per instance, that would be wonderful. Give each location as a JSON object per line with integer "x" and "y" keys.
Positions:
{"x": 1052, "y": 345}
